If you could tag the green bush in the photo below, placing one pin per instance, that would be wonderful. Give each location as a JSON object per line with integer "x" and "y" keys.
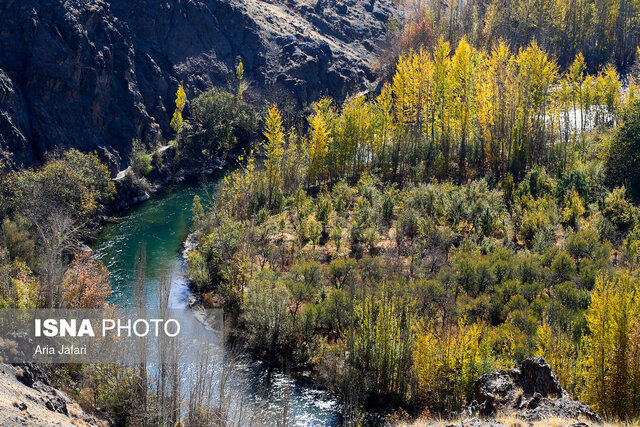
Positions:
{"x": 219, "y": 121}
{"x": 623, "y": 158}
{"x": 619, "y": 210}
{"x": 139, "y": 159}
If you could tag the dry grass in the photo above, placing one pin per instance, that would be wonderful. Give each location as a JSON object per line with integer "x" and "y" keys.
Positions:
{"x": 514, "y": 421}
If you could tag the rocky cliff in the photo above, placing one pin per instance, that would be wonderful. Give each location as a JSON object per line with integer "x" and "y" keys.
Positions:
{"x": 93, "y": 74}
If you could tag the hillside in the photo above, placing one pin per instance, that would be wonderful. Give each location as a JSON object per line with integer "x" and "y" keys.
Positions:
{"x": 95, "y": 74}
{"x": 27, "y": 400}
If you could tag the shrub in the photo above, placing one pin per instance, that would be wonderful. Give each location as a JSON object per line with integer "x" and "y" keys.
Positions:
{"x": 562, "y": 267}
{"x": 198, "y": 271}
{"x": 86, "y": 283}
{"x": 18, "y": 286}
{"x": 618, "y": 210}
{"x": 573, "y": 210}
{"x": 139, "y": 159}
{"x": 19, "y": 242}
{"x": 536, "y": 184}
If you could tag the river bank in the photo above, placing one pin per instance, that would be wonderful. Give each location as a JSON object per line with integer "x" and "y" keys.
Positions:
{"x": 162, "y": 225}
{"x": 132, "y": 189}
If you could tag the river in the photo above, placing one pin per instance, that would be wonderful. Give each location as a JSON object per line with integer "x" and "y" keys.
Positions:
{"x": 161, "y": 225}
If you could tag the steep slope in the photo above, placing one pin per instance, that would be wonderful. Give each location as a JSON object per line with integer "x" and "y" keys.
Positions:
{"x": 27, "y": 400}
{"x": 93, "y": 74}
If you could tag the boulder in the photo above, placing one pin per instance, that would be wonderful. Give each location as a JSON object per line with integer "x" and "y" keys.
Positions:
{"x": 531, "y": 393}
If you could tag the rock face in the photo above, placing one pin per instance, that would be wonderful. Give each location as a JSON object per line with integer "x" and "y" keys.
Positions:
{"x": 531, "y": 393}
{"x": 93, "y": 74}
{"x": 26, "y": 399}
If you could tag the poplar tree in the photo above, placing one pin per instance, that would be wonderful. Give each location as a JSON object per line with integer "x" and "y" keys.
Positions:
{"x": 176, "y": 121}
{"x": 318, "y": 148}
{"x": 274, "y": 148}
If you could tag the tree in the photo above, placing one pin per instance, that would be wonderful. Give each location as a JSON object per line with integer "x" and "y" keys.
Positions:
{"x": 342, "y": 272}
{"x": 197, "y": 210}
{"x": 57, "y": 202}
{"x": 176, "y": 121}
{"x": 447, "y": 363}
{"x": 624, "y": 152}
{"x": 242, "y": 84}
{"x": 93, "y": 174}
{"x": 318, "y": 147}
{"x": 611, "y": 317}
{"x": 86, "y": 283}
{"x": 462, "y": 84}
{"x": 219, "y": 122}
{"x": 274, "y": 149}
{"x": 139, "y": 159}
{"x": 561, "y": 353}
{"x": 266, "y": 310}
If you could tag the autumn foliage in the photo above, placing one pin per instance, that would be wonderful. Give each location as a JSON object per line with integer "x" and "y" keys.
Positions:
{"x": 86, "y": 283}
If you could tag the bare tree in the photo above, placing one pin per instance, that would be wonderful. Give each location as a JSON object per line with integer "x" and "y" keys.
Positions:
{"x": 142, "y": 382}
{"x": 59, "y": 235}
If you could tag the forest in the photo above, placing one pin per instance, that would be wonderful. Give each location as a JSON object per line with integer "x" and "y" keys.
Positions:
{"x": 479, "y": 210}
{"x": 603, "y": 31}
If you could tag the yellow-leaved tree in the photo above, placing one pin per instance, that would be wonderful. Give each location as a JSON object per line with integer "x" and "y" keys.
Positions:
{"x": 612, "y": 347}
{"x": 242, "y": 83}
{"x": 176, "y": 121}
{"x": 462, "y": 77}
{"x": 447, "y": 363}
{"x": 561, "y": 353}
{"x": 274, "y": 149}
{"x": 318, "y": 147}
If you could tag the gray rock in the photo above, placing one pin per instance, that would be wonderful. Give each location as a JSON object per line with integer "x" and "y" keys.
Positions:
{"x": 536, "y": 376}
{"x": 531, "y": 393}
{"x": 37, "y": 404}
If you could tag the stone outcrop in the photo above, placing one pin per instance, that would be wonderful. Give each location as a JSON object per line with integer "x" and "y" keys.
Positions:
{"x": 26, "y": 399}
{"x": 93, "y": 74}
{"x": 530, "y": 393}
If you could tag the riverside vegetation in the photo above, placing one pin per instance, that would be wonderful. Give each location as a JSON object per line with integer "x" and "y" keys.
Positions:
{"x": 481, "y": 209}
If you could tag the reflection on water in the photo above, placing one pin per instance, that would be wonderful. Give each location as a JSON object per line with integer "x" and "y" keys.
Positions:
{"x": 160, "y": 225}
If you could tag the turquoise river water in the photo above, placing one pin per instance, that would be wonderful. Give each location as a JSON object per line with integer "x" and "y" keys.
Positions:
{"x": 160, "y": 225}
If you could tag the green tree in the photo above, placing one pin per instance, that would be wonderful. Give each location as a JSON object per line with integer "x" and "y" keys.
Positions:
{"x": 624, "y": 152}
{"x": 219, "y": 122}
{"x": 197, "y": 210}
